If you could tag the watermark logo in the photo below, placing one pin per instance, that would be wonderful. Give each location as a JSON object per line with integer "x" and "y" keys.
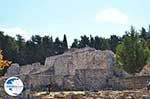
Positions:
{"x": 13, "y": 86}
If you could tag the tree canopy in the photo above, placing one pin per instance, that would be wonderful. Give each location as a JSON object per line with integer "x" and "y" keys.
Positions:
{"x": 133, "y": 52}
{"x": 132, "y": 49}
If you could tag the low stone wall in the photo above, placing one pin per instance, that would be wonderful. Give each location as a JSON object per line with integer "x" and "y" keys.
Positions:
{"x": 83, "y": 80}
{"x": 87, "y": 79}
{"x": 137, "y": 82}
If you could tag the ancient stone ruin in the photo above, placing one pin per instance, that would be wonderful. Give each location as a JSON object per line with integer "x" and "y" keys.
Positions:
{"x": 76, "y": 69}
{"x": 145, "y": 71}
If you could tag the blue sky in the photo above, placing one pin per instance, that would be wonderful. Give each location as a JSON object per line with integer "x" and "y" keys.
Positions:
{"x": 72, "y": 17}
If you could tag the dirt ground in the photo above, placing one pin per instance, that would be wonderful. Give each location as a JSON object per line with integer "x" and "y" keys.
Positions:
{"x": 126, "y": 94}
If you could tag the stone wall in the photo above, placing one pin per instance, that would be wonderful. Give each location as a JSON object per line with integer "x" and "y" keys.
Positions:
{"x": 146, "y": 70}
{"x": 14, "y": 69}
{"x": 30, "y": 68}
{"x": 137, "y": 82}
{"x": 91, "y": 79}
{"x": 87, "y": 58}
{"x": 91, "y": 67}
{"x": 77, "y": 69}
{"x": 98, "y": 66}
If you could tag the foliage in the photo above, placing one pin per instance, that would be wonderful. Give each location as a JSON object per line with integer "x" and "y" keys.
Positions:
{"x": 132, "y": 49}
{"x": 132, "y": 53}
{"x": 3, "y": 63}
{"x": 65, "y": 43}
{"x": 96, "y": 42}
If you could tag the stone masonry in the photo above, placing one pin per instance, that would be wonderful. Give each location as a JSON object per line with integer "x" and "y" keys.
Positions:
{"x": 85, "y": 69}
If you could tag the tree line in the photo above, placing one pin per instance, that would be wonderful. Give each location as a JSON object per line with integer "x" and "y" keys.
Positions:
{"x": 34, "y": 50}
{"x": 132, "y": 49}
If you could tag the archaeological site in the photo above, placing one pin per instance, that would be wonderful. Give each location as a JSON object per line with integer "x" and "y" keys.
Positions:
{"x": 84, "y": 69}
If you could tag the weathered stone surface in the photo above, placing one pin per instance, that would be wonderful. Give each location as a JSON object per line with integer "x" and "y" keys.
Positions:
{"x": 145, "y": 71}
{"x": 120, "y": 73}
{"x": 85, "y": 69}
{"x": 13, "y": 70}
{"x": 76, "y": 68}
{"x": 87, "y": 58}
{"x": 28, "y": 69}
{"x": 137, "y": 82}
{"x": 91, "y": 79}
{"x": 97, "y": 64}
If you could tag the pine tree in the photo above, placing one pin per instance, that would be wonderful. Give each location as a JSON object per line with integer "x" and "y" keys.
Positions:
{"x": 92, "y": 41}
{"x": 114, "y": 41}
{"x": 75, "y": 44}
{"x": 58, "y": 47}
{"x": 84, "y": 42}
{"x": 65, "y": 43}
{"x": 133, "y": 52}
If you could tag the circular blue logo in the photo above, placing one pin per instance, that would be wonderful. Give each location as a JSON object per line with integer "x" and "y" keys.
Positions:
{"x": 13, "y": 86}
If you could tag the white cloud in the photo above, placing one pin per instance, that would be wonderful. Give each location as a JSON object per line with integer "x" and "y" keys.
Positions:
{"x": 112, "y": 15}
{"x": 13, "y": 31}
